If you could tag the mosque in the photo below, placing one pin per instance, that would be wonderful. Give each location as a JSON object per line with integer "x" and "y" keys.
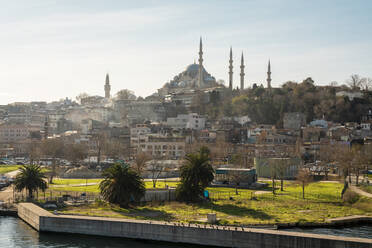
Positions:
{"x": 197, "y": 78}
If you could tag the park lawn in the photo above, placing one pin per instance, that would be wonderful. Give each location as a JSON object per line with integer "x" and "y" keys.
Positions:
{"x": 65, "y": 185}
{"x": 60, "y": 181}
{"x": 161, "y": 184}
{"x": 89, "y": 188}
{"x": 322, "y": 202}
{"x": 8, "y": 168}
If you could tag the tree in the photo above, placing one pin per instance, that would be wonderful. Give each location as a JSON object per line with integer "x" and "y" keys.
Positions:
{"x": 359, "y": 161}
{"x": 113, "y": 148}
{"x": 236, "y": 176}
{"x": 30, "y": 178}
{"x": 304, "y": 177}
{"x": 156, "y": 169}
{"x": 99, "y": 139}
{"x": 121, "y": 184}
{"x": 53, "y": 148}
{"x": 282, "y": 167}
{"x": 343, "y": 155}
{"x": 81, "y": 96}
{"x": 355, "y": 81}
{"x": 75, "y": 153}
{"x": 125, "y": 94}
{"x": 140, "y": 161}
{"x": 34, "y": 151}
{"x": 196, "y": 175}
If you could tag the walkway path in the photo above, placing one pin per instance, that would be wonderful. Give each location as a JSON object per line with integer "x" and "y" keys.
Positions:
{"x": 360, "y": 192}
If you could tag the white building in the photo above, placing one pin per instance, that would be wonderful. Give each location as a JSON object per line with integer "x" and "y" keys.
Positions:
{"x": 189, "y": 121}
{"x": 163, "y": 146}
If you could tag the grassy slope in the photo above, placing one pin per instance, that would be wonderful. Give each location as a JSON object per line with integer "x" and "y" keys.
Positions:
{"x": 322, "y": 202}
{"x": 8, "y": 168}
{"x": 366, "y": 188}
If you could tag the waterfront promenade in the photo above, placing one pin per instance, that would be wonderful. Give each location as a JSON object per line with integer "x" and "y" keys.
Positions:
{"x": 213, "y": 235}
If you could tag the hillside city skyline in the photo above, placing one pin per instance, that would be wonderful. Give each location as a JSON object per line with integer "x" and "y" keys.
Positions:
{"x": 73, "y": 46}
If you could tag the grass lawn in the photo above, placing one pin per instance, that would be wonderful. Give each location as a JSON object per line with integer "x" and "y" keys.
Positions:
{"x": 366, "y": 188}
{"x": 8, "y": 168}
{"x": 322, "y": 202}
{"x": 60, "y": 181}
{"x": 66, "y": 185}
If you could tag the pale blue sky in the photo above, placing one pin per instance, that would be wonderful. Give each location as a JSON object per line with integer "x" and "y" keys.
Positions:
{"x": 50, "y": 49}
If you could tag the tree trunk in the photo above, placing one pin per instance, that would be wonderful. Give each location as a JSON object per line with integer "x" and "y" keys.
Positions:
{"x": 281, "y": 184}
{"x": 236, "y": 189}
{"x": 303, "y": 190}
{"x": 99, "y": 155}
{"x": 273, "y": 186}
{"x": 53, "y": 173}
{"x": 349, "y": 174}
{"x": 357, "y": 178}
{"x": 30, "y": 193}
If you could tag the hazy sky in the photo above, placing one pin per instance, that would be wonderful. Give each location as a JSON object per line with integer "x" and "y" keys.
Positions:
{"x": 51, "y": 49}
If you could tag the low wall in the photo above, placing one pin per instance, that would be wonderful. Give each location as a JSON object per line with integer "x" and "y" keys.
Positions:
{"x": 173, "y": 232}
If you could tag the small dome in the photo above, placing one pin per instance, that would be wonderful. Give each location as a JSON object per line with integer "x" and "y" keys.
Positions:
{"x": 192, "y": 68}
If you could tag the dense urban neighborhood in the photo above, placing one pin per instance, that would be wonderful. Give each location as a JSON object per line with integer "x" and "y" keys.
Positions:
{"x": 200, "y": 161}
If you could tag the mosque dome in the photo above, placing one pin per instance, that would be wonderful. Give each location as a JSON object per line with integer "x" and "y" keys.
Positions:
{"x": 192, "y": 68}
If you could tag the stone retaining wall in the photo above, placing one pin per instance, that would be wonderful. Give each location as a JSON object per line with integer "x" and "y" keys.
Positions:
{"x": 174, "y": 232}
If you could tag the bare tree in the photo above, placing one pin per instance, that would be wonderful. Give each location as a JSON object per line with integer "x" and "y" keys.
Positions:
{"x": 343, "y": 155}
{"x": 368, "y": 83}
{"x": 304, "y": 177}
{"x": 327, "y": 155}
{"x": 52, "y": 148}
{"x": 156, "y": 169}
{"x": 282, "y": 167}
{"x": 113, "y": 148}
{"x": 34, "y": 151}
{"x": 355, "y": 82}
{"x": 75, "y": 153}
{"x": 99, "y": 139}
{"x": 360, "y": 159}
{"x": 140, "y": 161}
{"x": 125, "y": 94}
{"x": 236, "y": 176}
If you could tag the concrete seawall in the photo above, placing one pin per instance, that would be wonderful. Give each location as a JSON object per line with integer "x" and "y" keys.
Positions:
{"x": 42, "y": 220}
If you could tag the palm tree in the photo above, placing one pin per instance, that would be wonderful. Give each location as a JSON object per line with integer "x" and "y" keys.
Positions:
{"x": 196, "y": 175}
{"x": 121, "y": 185}
{"x": 30, "y": 178}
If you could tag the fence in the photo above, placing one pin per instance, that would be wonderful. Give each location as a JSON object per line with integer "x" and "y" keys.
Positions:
{"x": 268, "y": 195}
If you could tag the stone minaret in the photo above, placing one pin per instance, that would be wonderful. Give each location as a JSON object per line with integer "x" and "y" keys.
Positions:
{"x": 200, "y": 80}
{"x": 231, "y": 70}
{"x": 269, "y": 76}
{"x": 242, "y": 74}
{"x": 107, "y": 86}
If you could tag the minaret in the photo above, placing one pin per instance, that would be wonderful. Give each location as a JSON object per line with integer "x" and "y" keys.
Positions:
{"x": 242, "y": 74}
{"x": 200, "y": 80}
{"x": 269, "y": 76}
{"x": 107, "y": 86}
{"x": 230, "y": 70}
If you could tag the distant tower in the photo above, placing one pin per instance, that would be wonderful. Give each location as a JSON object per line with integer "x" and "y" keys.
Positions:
{"x": 107, "y": 86}
{"x": 230, "y": 70}
{"x": 242, "y": 74}
{"x": 269, "y": 76}
{"x": 200, "y": 81}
